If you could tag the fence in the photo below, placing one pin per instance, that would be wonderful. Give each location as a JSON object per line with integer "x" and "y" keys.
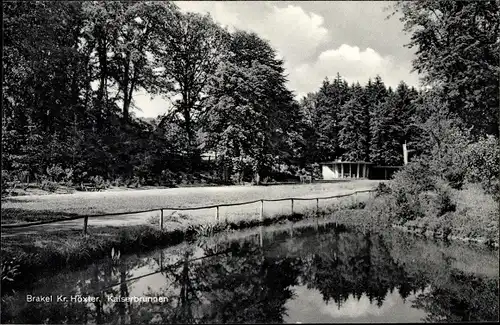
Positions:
{"x": 215, "y": 206}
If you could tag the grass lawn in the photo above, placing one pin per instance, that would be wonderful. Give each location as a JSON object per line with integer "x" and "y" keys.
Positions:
{"x": 42, "y": 251}
{"x": 55, "y": 206}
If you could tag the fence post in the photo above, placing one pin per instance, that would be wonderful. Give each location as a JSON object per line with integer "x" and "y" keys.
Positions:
{"x": 85, "y": 223}
{"x": 317, "y": 206}
{"x": 261, "y": 236}
{"x": 217, "y": 214}
{"x": 261, "y": 210}
{"x": 292, "y": 207}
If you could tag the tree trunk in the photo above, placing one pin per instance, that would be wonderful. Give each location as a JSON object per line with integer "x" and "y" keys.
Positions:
{"x": 126, "y": 109}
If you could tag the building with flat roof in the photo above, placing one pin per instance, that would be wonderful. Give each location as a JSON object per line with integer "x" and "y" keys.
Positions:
{"x": 331, "y": 170}
{"x": 345, "y": 169}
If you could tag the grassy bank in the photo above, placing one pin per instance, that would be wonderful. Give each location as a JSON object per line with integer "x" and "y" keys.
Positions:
{"x": 56, "y": 206}
{"x": 25, "y": 257}
{"x": 467, "y": 214}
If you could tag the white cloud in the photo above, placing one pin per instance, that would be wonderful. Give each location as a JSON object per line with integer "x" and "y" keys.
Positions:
{"x": 306, "y": 42}
{"x": 296, "y": 34}
{"x": 221, "y": 13}
{"x": 352, "y": 53}
{"x": 353, "y": 64}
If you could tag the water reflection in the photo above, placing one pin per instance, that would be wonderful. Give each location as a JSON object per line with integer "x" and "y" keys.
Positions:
{"x": 306, "y": 274}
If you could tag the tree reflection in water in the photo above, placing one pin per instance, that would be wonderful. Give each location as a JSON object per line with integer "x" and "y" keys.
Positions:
{"x": 239, "y": 281}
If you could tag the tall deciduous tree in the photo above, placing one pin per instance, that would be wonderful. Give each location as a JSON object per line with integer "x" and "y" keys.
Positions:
{"x": 310, "y": 124}
{"x": 191, "y": 50}
{"x": 250, "y": 109}
{"x": 458, "y": 49}
{"x": 125, "y": 34}
{"x": 385, "y": 145}
{"x": 41, "y": 69}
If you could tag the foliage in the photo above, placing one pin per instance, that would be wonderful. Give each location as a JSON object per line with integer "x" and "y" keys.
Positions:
{"x": 416, "y": 177}
{"x": 458, "y": 51}
{"x": 98, "y": 182}
{"x": 381, "y": 189}
{"x": 51, "y": 186}
{"x": 444, "y": 199}
{"x": 6, "y": 178}
{"x": 189, "y": 65}
{"x": 354, "y": 136}
{"x": 316, "y": 171}
{"x": 483, "y": 164}
{"x": 57, "y": 174}
{"x": 322, "y": 116}
{"x": 68, "y": 95}
{"x": 249, "y": 107}
{"x": 72, "y": 69}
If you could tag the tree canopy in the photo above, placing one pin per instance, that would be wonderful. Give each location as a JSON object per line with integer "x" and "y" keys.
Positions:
{"x": 71, "y": 71}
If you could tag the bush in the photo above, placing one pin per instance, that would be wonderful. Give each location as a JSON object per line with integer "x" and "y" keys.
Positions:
{"x": 168, "y": 178}
{"x": 416, "y": 177}
{"x": 447, "y": 157}
{"x": 6, "y": 178}
{"x": 483, "y": 164}
{"x": 382, "y": 189}
{"x": 23, "y": 176}
{"x": 55, "y": 173}
{"x": 243, "y": 169}
{"x": 9, "y": 272}
{"x": 444, "y": 199}
{"x": 49, "y": 185}
{"x": 80, "y": 174}
{"x": 67, "y": 176}
{"x": 135, "y": 181}
{"x": 119, "y": 181}
{"x": 407, "y": 206}
{"x": 316, "y": 171}
{"x": 98, "y": 182}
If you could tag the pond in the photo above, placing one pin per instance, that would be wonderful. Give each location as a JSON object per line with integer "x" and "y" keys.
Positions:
{"x": 291, "y": 273}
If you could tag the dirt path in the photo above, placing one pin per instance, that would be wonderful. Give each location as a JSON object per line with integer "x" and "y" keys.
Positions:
{"x": 92, "y": 203}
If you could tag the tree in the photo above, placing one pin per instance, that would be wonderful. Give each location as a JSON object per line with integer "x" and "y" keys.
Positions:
{"x": 190, "y": 52}
{"x": 124, "y": 35}
{"x": 381, "y": 105}
{"x": 458, "y": 51}
{"x": 309, "y": 128}
{"x": 41, "y": 80}
{"x": 386, "y": 130}
{"x": 329, "y": 101}
{"x": 354, "y": 135}
{"x": 251, "y": 113}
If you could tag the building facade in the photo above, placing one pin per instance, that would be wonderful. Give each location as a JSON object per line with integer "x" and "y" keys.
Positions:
{"x": 345, "y": 169}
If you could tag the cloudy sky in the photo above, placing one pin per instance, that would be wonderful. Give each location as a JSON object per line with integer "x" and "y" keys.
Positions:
{"x": 316, "y": 39}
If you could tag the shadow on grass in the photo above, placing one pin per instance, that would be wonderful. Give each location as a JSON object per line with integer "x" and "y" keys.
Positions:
{"x": 16, "y": 215}
{"x": 41, "y": 252}
{"x": 37, "y": 252}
